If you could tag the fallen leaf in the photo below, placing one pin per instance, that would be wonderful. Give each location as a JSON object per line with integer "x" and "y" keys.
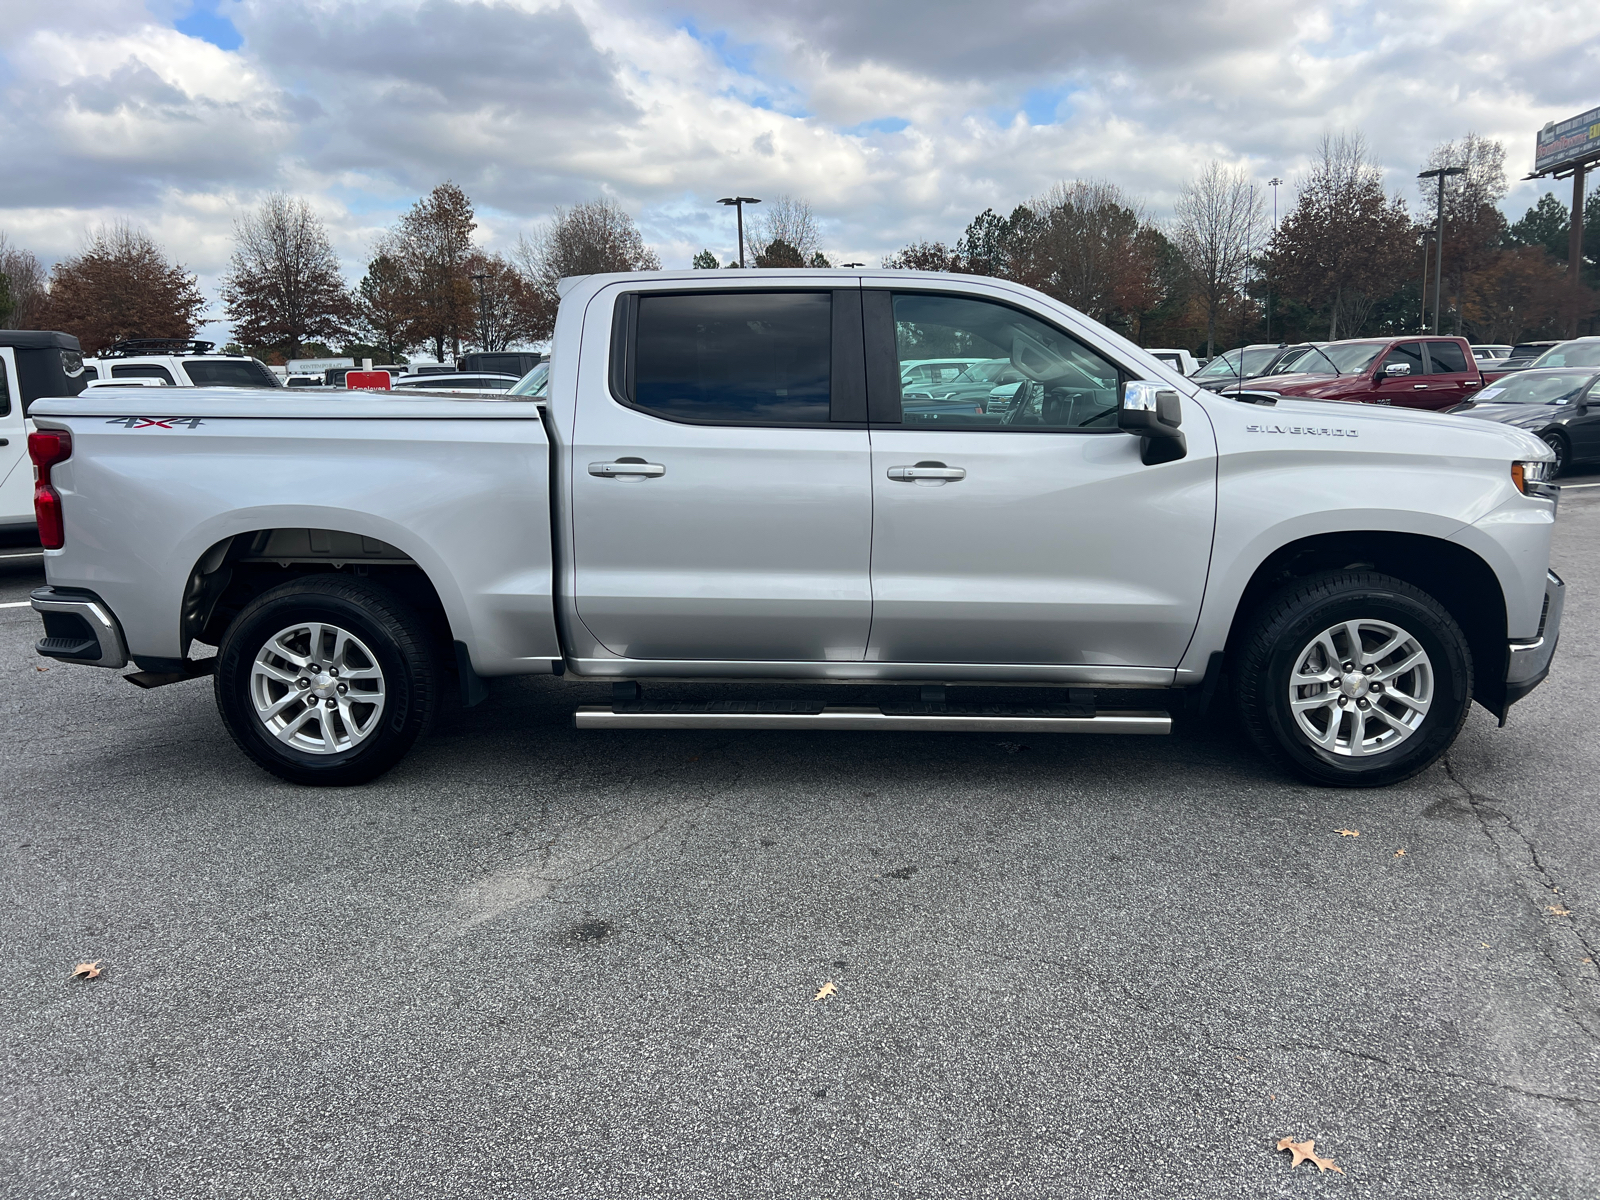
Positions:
{"x": 825, "y": 991}
{"x": 1400, "y": 853}
{"x": 1485, "y": 945}
{"x": 1348, "y": 832}
{"x": 41, "y": 668}
{"x": 87, "y": 970}
{"x": 1588, "y": 960}
{"x": 1558, "y": 910}
{"x": 1306, "y": 1152}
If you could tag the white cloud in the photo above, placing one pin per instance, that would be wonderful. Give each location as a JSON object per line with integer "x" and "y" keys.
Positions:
{"x": 897, "y": 121}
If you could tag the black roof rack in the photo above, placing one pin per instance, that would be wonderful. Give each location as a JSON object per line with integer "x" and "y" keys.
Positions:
{"x": 133, "y": 346}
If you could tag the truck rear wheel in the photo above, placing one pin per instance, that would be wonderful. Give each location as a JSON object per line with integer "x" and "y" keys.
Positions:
{"x": 1354, "y": 679}
{"x": 327, "y": 680}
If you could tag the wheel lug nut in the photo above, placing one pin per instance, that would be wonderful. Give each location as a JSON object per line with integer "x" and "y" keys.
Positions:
{"x": 331, "y": 703}
{"x": 335, "y": 670}
{"x": 1369, "y": 670}
{"x": 343, "y": 688}
{"x": 1343, "y": 700}
{"x": 312, "y": 667}
{"x": 302, "y": 683}
{"x": 1377, "y": 687}
{"x": 1362, "y": 704}
{"x": 1349, "y": 666}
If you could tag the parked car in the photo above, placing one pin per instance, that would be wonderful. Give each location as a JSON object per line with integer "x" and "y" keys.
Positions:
{"x": 180, "y": 362}
{"x": 703, "y": 497}
{"x": 137, "y": 381}
{"x": 1579, "y": 352}
{"x": 932, "y": 372}
{"x": 1413, "y": 372}
{"x": 460, "y": 384}
{"x": 535, "y": 385}
{"x": 515, "y": 363}
{"x": 1523, "y": 355}
{"x": 1236, "y": 366}
{"x": 1179, "y": 360}
{"x": 33, "y": 363}
{"x": 1491, "y": 353}
{"x": 1558, "y": 404}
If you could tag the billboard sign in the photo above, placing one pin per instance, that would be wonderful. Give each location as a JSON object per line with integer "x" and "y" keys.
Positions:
{"x": 1566, "y": 143}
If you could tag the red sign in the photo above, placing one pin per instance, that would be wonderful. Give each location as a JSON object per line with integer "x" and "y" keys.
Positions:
{"x": 367, "y": 381}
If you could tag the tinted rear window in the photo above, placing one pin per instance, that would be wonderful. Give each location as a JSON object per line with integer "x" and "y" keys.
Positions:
{"x": 1447, "y": 357}
{"x": 745, "y": 358}
{"x": 228, "y": 373}
{"x": 140, "y": 371}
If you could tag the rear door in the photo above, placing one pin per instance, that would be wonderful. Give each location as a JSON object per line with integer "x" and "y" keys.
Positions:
{"x": 1452, "y": 377}
{"x": 1030, "y": 533}
{"x": 16, "y": 475}
{"x": 721, "y": 496}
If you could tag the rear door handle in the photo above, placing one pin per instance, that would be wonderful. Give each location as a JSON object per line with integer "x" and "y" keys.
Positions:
{"x": 626, "y": 467}
{"x": 926, "y": 471}
{"x": 1419, "y": 385}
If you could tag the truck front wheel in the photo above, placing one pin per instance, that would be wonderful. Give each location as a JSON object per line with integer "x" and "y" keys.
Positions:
{"x": 1354, "y": 679}
{"x": 326, "y": 680}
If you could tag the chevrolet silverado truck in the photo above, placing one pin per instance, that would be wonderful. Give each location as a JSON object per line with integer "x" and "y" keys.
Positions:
{"x": 722, "y": 484}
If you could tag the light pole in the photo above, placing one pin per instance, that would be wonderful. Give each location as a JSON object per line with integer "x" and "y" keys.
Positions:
{"x": 483, "y": 309}
{"x": 1438, "y": 258}
{"x": 738, "y": 203}
{"x": 1274, "y": 183}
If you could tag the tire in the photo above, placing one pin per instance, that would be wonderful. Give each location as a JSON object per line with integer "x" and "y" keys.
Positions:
{"x": 373, "y": 695}
{"x": 1558, "y": 443}
{"x": 1406, "y": 723}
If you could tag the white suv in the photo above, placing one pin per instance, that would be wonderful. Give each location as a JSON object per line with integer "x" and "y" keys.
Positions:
{"x": 179, "y": 362}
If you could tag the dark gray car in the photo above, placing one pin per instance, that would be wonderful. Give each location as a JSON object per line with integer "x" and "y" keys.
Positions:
{"x": 1559, "y": 404}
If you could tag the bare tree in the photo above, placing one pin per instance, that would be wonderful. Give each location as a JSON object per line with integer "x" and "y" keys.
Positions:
{"x": 1345, "y": 243}
{"x": 385, "y": 307}
{"x": 1474, "y": 227}
{"x": 433, "y": 243}
{"x": 1219, "y": 223}
{"x": 121, "y": 285}
{"x": 790, "y": 221}
{"x": 22, "y": 276}
{"x": 1079, "y": 242}
{"x": 507, "y": 311}
{"x": 283, "y": 286}
{"x": 592, "y": 238}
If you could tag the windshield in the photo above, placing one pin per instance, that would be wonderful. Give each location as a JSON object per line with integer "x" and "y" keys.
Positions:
{"x": 1571, "y": 354}
{"x": 1256, "y": 360}
{"x": 1553, "y": 387}
{"x": 987, "y": 371}
{"x": 1353, "y": 357}
{"x": 535, "y": 383}
{"x": 229, "y": 372}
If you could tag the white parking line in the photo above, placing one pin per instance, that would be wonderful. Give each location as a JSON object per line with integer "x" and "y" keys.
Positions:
{"x": 18, "y": 604}
{"x": 1574, "y": 486}
{"x": 25, "y": 554}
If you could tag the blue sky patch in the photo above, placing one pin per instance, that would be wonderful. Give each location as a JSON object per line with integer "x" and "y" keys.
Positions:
{"x": 205, "y": 23}
{"x": 881, "y": 125}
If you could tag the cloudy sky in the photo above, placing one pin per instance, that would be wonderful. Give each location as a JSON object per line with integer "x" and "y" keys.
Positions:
{"x": 896, "y": 120}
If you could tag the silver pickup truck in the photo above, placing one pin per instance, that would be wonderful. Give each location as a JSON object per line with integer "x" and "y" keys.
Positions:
{"x": 725, "y": 483}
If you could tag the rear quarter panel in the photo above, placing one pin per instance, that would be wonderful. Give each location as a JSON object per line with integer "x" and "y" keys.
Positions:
{"x": 467, "y": 499}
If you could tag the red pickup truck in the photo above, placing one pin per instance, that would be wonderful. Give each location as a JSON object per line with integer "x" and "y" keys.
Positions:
{"x": 1414, "y": 372}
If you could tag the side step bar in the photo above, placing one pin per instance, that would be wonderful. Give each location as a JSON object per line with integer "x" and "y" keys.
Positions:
{"x": 753, "y": 716}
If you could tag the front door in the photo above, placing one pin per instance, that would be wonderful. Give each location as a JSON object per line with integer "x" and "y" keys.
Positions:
{"x": 1403, "y": 391}
{"x": 721, "y": 499}
{"x": 16, "y": 475}
{"x": 1030, "y": 533}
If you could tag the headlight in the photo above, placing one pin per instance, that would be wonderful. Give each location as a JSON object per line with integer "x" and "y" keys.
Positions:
{"x": 1533, "y": 479}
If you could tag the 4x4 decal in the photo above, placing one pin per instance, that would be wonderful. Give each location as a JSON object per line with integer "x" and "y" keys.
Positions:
{"x": 155, "y": 422}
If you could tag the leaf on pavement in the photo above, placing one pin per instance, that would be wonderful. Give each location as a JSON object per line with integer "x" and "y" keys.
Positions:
{"x": 1400, "y": 853}
{"x": 1348, "y": 832}
{"x": 1560, "y": 910}
{"x": 1306, "y": 1151}
{"x": 825, "y": 991}
{"x": 87, "y": 970}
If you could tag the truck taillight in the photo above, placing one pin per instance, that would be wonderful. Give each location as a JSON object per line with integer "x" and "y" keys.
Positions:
{"x": 47, "y": 448}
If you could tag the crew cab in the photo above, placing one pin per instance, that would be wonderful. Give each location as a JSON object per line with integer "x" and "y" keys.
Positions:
{"x": 722, "y": 483}
{"x": 1417, "y": 372}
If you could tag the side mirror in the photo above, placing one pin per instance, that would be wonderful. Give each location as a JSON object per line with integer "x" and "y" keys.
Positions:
{"x": 1153, "y": 413}
{"x": 1394, "y": 371}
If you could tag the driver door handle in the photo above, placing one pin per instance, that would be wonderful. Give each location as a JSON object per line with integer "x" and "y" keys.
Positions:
{"x": 911, "y": 474}
{"x": 1419, "y": 385}
{"x": 612, "y": 470}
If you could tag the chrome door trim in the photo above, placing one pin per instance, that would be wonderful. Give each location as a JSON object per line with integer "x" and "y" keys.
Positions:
{"x": 1018, "y": 673}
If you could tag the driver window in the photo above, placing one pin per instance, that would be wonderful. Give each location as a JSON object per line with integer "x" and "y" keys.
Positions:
{"x": 1026, "y": 375}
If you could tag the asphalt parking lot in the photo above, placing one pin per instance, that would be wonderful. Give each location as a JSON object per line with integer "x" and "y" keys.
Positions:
{"x": 536, "y": 962}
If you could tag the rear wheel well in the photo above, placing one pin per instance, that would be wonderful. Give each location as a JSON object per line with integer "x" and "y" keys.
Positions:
{"x": 238, "y": 569}
{"x": 1453, "y": 575}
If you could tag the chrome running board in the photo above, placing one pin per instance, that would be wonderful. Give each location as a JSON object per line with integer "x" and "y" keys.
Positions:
{"x": 990, "y": 719}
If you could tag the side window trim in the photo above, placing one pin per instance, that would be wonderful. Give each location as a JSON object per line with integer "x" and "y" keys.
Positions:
{"x": 846, "y": 385}
{"x": 883, "y": 360}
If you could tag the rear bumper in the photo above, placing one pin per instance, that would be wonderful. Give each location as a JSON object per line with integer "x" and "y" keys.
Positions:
{"x": 1530, "y": 660}
{"x": 79, "y": 628}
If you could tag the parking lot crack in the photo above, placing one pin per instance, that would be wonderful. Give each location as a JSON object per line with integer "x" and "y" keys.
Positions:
{"x": 1519, "y": 857}
{"x": 1412, "y": 1068}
